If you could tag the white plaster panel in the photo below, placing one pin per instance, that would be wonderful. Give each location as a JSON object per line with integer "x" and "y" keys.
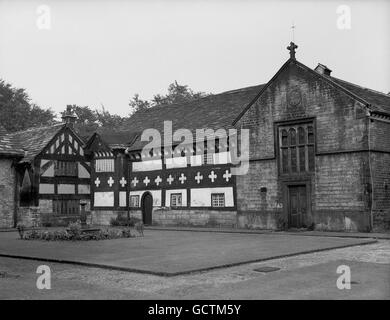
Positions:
{"x": 176, "y": 162}
{"x": 183, "y": 196}
{"x": 43, "y": 162}
{"x": 83, "y": 189}
{"x": 147, "y": 165}
{"x": 122, "y": 198}
{"x": 46, "y": 188}
{"x": 222, "y": 157}
{"x": 201, "y": 197}
{"x": 156, "y": 194}
{"x": 104, "y": 199}
{"x": 83, "y": 173}
{"x": 196, "y": 160}
{"x": 49, "y": 171}
{"x": 66, "y": 189}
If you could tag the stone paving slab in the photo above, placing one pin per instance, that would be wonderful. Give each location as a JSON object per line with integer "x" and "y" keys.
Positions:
{"x": 170, "y": 253}
{"x": 372, "y": 235}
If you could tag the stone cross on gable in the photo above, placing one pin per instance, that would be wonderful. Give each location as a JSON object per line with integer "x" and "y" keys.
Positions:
{"x": 97, "y": 181}
{"x": 198, "y": 177}
{"x": 123, "y": 182}
{"x": 292, "y": 48}
{"x": 146, "y": 181}
{"x": 158, "y": 180}
{"x": 134, "y": 181}
{"x": 182, "y": 178}
{"x": 170, "y": 179}
{"x": 212, "y": 176}
{"x": 110, "y": 182}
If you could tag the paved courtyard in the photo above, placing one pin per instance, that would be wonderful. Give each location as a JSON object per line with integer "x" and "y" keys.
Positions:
{"x": 306, "y": 276}
{"x": 172, "y": 253}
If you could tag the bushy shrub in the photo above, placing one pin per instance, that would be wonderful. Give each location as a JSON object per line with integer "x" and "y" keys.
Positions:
{"x": 74, "y": 228}
{"x": 73, "y": 234}
{"x": 122, "y": 221}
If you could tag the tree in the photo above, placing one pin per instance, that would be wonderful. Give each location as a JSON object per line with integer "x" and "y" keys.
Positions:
{"x": 90, "y": 120}
{"x": 18, "y": 112}
{"x": 176, "y": 94}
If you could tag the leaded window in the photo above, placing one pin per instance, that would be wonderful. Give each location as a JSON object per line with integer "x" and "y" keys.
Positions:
{"x": 296, "y": 148}
{"x": 176, "y": 200}
{"x": 217, "y": 199}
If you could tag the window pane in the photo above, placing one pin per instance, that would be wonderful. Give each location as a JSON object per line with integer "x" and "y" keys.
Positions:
{"x": 301, "y": 135}
{"x": 293, "y": 159}
{"x": 302, "y": 160}
{"x": 293, "y": 137}
{"x": 218, "y": 200}
{"x": 310, "y": 134}
{"x": 285, "y": 160}
{"x": 284, "y": 138}
{"x": 311, "y": 157}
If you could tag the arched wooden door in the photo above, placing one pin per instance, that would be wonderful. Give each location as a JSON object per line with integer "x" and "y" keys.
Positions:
{"x": 147, "y": 208}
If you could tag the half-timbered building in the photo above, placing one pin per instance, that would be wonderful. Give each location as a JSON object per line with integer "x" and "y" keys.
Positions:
{"x": 319, "y": 158}
{"x": 46, "y": 175}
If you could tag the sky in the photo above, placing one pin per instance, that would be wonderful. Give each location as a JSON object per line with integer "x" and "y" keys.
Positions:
{"x": 98, "y": 53}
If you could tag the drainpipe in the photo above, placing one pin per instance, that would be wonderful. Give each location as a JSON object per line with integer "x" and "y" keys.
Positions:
{"x": 369, "y": 166}
{"x": 16, "y": 183}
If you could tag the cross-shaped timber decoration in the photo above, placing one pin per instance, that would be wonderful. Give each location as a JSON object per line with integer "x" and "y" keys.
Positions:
{"x": 134, "y": 181}
{"x": 110, "y": 182}
{"x": 227, "y": 175}
{"x": 123, "y": 182}
{"x": 212, "y": 176}
{"x": 158, "y": 180}
{"x": 198, "y": 177}
{"x": 146, "y": 181}
{"x": 292, "y": 48}
{"x": 182, "y": 178}
{"x": 170, "y": 179}
{"x": 97, "y": 182}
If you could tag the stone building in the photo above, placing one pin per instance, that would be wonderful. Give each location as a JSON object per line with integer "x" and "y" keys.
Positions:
{"x": 319, "y": 158}
{"x": 43, "y": 175}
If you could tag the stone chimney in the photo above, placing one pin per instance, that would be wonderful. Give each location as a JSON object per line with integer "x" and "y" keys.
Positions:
{"x": 69, "y": 118}
{"x": 322, "y": 69}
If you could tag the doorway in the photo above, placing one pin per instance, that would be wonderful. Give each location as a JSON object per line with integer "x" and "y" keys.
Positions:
{"x": 297, "y": 206}
{"x": 147, "y": 208}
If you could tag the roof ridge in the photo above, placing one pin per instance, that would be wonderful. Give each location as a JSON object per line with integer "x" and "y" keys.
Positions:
{"x": 200, "y": 98}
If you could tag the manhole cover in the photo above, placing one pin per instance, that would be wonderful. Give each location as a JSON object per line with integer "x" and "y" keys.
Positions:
{"x": 266, "y": 269}
{"x": 4, "y": 275}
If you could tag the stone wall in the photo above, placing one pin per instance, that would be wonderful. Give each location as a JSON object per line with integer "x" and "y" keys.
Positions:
{"x": 7, "y": 193}
{"x": 340, "y": 185}
{"x": 174, "y": 217}
{"x": 194, "y": 217}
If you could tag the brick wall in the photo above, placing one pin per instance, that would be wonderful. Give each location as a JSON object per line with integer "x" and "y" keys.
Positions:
{"x": 7, "y": 193}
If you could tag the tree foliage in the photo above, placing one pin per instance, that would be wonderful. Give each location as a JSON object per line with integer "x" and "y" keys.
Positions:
{"x": 17, "y": 112}
{"x": 176, "y": 94}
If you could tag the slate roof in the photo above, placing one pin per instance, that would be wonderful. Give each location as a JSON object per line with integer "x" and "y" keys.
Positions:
{"x": 115, "y": 139}
{"x": 210, "y": 112}
{"x": 379, "y": 101}
{"x": 28, "y": 143}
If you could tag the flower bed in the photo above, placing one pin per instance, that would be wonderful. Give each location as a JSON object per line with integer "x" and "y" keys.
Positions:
{"x": 74, "y": 232}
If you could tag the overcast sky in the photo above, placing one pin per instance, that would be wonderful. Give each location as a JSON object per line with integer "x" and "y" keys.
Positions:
{"x": 103, "y": 52}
